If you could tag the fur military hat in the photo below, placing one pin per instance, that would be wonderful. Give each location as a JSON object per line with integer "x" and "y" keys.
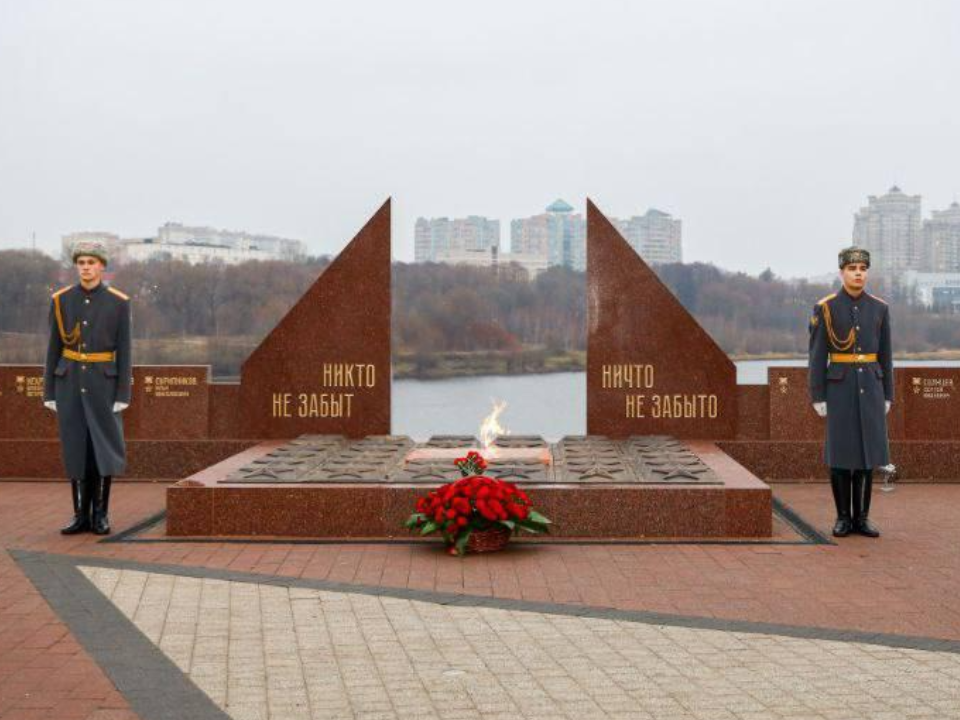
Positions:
{"x": 93, "y": 248}
{"x": 854, "y": 254}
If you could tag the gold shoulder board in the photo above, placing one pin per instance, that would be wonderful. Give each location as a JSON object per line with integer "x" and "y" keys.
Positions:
{"x": 118, "y": 293}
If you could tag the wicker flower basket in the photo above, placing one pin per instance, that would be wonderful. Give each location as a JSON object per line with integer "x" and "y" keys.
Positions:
{"x": 496, "y": 538}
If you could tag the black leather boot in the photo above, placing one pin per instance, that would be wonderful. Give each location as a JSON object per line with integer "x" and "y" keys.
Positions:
{"x": 862, "y": 490}
{"x": 840, "y": 484}
{"x": 101, "y": 506}
{"x": 80, "y": 490}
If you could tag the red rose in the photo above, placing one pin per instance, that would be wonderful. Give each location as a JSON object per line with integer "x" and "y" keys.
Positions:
{"x": 461, "y": 506}
{"x": 461, "y": 521}
{"x": 485, "y": 510}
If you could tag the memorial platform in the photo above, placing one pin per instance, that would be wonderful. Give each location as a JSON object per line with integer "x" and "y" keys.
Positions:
{"x": 325, "y": 486}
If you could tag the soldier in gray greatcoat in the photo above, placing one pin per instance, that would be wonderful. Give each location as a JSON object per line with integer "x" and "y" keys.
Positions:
{"x": 851, "y": 384}
{"x": 87, "y": 379}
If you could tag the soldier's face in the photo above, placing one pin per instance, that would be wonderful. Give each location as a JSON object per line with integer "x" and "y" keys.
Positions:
{"x": 854, "y": 276}
{"x": 89, "y": 269}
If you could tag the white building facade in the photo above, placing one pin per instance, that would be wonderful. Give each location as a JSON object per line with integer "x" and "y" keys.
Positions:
{"x": 437, "y": 238}
{"x": 656, "y": 236}
{"x": 890, "y": 227}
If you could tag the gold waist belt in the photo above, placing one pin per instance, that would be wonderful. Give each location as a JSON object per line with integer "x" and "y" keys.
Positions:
{"x": 88, "y": 357}
{"x": 852, "y": 358}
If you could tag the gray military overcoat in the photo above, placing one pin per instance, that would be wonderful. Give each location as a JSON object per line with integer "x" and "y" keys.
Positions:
{"x": 854, "y": 392}
{"x": 85, "y": 391}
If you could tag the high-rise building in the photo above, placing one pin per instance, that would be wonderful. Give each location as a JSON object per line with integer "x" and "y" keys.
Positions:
{"x": 941, "y": 240}
{"x": 890, "y": 227}
{"x": 437, "y": 238}
{"x": 656, "y": 236}
{"x": 557, "y": 234}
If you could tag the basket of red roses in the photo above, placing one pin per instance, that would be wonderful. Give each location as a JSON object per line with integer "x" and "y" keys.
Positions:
{"x": 476, "y": 513}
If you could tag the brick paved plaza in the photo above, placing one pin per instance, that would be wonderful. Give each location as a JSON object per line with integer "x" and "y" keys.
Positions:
{"x": 148, "y": 628}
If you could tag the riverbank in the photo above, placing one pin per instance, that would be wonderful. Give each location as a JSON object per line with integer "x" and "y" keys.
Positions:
{"x": 225, "y": 355}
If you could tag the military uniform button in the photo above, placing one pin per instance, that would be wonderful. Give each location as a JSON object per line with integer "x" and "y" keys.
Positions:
{"x": 87, "y": 301}
{"x": 83, "y": 367}
{"x": 84, "y": 390}
{"x": 84, "y": 322}
{"x": 861, "y": 391}
{"x": 859, "y": 369}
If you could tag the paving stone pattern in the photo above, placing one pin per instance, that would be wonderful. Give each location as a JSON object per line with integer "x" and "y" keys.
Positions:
{"x": 268, "y": 651}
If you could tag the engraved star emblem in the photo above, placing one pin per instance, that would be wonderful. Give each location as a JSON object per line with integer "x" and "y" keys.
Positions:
{"x": 429, "y": 475}
{"x": 265, "y": 474}
{"x": 679, "y": 472}
{"x": 595, "y": 471}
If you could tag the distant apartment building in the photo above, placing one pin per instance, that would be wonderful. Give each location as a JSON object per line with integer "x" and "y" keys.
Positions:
{"x": 656, "y": 236}
{"x": 192, "y": 252}
{"x": 529, "y": 265}
{"x": 936, "y": 290}
{"x": 558, "y": 235}
{"x": 193, "y": 244}
{"x": 941, "y": 240}
{"x": 438, "y": 238}
{"x": 890, "y": 227}
{"x": 277, "y": 248}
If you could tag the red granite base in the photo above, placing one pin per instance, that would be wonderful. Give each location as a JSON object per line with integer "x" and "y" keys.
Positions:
{"x": 799, "y": 460}
{"x": 145, "y": 458}
{"x": 201, "y": 506}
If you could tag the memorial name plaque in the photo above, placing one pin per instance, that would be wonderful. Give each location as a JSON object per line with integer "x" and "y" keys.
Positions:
{"x": 931, "y": 398}
{"x": 325, "y": 367}
{"x": 22, "y": 413}
{"x": 651, "y": 368}
{"x": 169, "y": 402}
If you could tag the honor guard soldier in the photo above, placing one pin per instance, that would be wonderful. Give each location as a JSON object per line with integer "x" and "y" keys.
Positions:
{"x": 851, "y": 384}
{"x": 87, "y": 379}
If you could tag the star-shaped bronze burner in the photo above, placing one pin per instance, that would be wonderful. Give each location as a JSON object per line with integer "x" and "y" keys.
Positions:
{"x": 598, "y": 472}
{"x": 668, "y": 473}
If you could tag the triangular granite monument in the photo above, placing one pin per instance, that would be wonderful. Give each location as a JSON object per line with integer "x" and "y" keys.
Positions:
{"x": 325, "y": 367}
{"x": 651, "y": 368}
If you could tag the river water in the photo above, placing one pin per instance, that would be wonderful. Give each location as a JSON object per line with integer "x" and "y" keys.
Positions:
{"x": 551, "y": 405}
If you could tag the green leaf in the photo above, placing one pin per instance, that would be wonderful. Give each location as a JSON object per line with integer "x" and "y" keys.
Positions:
{"x": 509, "y": 523}
{"x": 428, "y": 528}
{"x": 414, "y": 520}
{"x": 462, "y": 542}
{"x": 532, "y": 528}
{"x": 538, "y": 518}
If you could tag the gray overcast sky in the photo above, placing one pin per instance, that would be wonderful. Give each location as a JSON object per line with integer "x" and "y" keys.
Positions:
{"x": 763, "y": 125}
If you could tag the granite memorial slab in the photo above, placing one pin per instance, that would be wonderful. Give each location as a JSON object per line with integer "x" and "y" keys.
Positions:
{"x": 931, "y": 402}
{"x": 325, "y": 367}
{"x": 22, "y": 414}
{"x": 651, "y": 368}
{"x": 592, "y": 487}
{"x": 169, "y": 402}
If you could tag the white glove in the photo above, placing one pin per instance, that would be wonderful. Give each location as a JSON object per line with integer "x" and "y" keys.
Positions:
{"x": 120, "y": 407}
{"x": 50, "y": 405}
{"x": 821, "y": 408}
{"x": 887, "y": 403}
